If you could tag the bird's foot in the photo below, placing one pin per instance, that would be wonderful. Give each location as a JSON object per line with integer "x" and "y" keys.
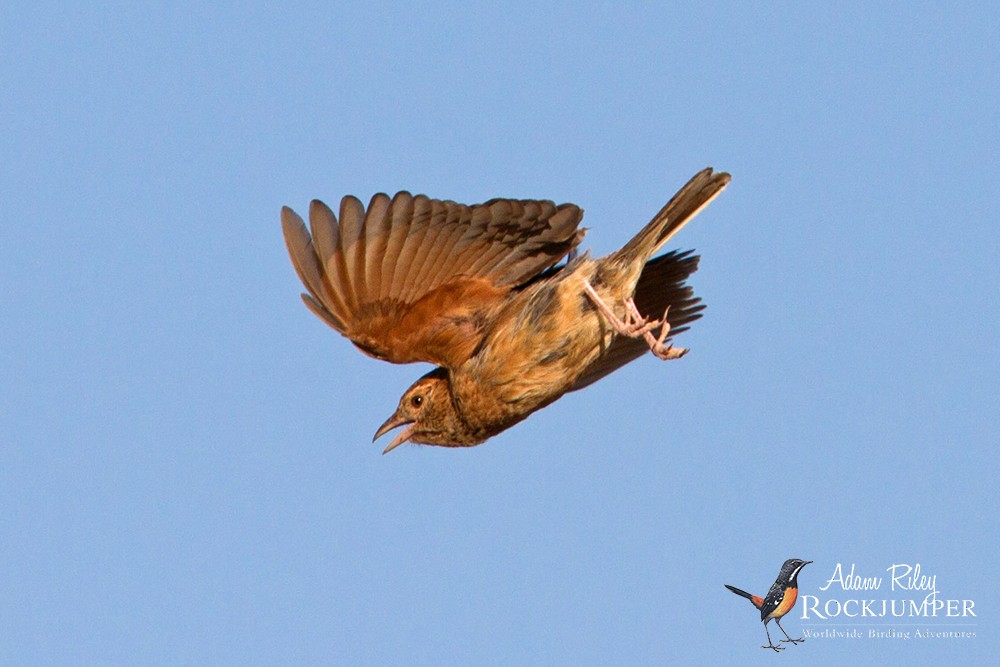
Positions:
{"x": 635, "y": 325}
{"x": 793, "y": 641}
{"x": 657, "y": 345}
{"x": 775, "y": 648}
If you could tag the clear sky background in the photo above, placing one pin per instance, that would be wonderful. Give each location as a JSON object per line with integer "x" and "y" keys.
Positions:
{"x": 186, "y": 467}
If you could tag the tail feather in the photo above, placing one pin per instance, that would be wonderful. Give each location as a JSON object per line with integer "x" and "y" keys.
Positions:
{"x": 739, "y": 592}
{"x": 756, "y": 600}
{"x": 682, "y": 207}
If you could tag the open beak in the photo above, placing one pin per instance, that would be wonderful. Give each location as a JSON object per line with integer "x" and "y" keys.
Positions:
{"x": 401, "y": 437}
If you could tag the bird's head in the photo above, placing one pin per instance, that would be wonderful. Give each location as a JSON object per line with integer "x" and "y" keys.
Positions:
{"x": 428, "y": 413}
{"x": 790, "y": 570}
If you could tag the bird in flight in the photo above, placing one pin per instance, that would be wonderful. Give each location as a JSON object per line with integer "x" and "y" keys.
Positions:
{"x": 479, "y": 292}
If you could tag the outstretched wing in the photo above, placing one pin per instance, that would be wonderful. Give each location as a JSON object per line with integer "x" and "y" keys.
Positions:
{"x": 660, "y": 285}
{"x": 416, "y": 279}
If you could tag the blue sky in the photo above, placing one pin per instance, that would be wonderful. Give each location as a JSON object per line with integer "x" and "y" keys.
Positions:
{"x": 186, "y": 472}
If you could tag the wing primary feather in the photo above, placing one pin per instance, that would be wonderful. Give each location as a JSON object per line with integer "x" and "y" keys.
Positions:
{"x": 439, "y": 262}
{"x": 326, "y": 240}
{"x": 424, "y": 254}
{"x": 352, "y": 249}
{"x": 300, "y": 248}
{"x": 404, "y": 265}
{"x": 376, "y": 237}
{"x": 400, "y": 219}
{"x": 303, "y": 254}
{"x": 465, "y": 250}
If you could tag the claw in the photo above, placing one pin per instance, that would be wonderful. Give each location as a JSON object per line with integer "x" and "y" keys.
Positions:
{"x": 660, "y": 348}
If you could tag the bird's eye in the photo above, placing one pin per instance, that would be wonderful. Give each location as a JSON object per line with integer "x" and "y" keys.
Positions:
{"x": 417, "y": 401}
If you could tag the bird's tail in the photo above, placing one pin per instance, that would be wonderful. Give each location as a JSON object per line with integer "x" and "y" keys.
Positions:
{"x": 756, "y": 600}
{"x": 699, "y": 191}
{"x": 739, "y": 592}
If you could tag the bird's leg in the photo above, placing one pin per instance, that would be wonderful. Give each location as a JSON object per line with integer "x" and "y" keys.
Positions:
{"x": 793, "y": 641}
{"x": 634, "y": 325}
{"x": 770, "y": 644}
